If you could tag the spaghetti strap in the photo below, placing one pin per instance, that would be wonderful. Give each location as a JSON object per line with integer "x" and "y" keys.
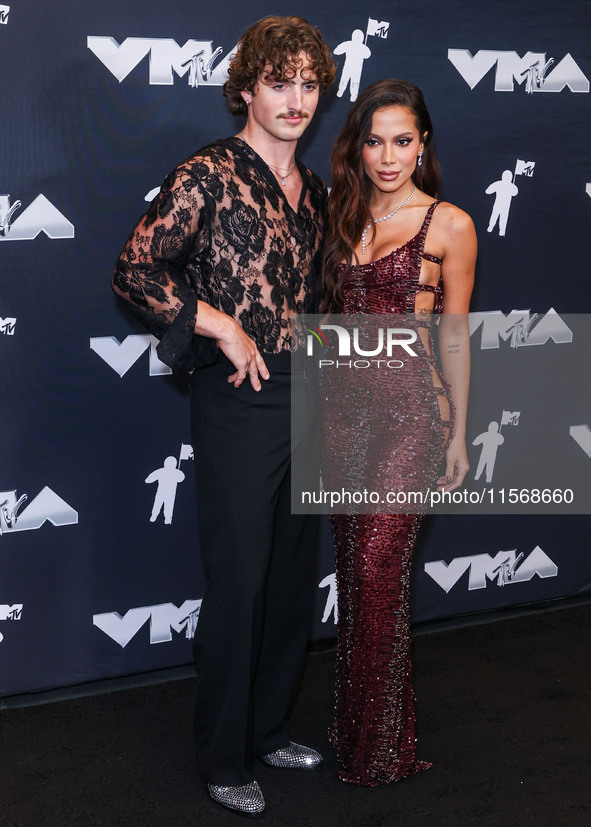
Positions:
{"x": 425, "y": 226}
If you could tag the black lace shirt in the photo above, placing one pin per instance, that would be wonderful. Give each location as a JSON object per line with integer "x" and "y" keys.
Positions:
{"x": 222, "y": 231}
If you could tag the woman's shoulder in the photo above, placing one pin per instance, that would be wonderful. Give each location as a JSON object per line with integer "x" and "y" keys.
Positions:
{"x": 452, "y": 223}
{"x": 452, "y": 216}
{"x": 452, "y": 227}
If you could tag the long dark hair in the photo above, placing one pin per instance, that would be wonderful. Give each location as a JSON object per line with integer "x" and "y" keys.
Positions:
{"x": 348, "y": 203}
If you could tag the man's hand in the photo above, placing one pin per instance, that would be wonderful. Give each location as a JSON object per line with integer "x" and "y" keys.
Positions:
{"x": 242, "y": 352}
{"x": 234, "y": 343}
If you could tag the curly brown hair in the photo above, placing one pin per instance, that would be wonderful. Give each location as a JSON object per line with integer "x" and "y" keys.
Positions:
{"x": 271, "y": 47}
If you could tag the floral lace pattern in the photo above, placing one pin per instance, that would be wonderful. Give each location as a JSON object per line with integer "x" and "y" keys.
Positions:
{"x": 222, "y": 231}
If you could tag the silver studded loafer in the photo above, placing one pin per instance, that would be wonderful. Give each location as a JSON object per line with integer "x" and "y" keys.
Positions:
{"x": 247, "y": 800}
{"x": 293, "y": 757}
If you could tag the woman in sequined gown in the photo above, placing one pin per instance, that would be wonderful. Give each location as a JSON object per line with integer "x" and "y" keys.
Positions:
{"x": 392, "y": 247}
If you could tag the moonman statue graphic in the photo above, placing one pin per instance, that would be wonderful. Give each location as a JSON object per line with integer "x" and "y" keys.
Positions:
{"x": 356, "y": 52}
{"x": 504, "y": 190}
{"x": 490, "y": 441}
{"x": 167, "y": 477}
{"x": 331, "y": 601}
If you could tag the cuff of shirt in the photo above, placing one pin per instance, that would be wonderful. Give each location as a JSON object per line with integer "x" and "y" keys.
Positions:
{"x": 180, "y": 348}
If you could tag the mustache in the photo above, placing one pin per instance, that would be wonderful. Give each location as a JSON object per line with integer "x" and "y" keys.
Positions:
{"x": 294, "y": 113}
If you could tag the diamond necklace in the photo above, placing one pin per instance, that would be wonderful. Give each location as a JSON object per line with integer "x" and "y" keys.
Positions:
{"x": 276, "y": 170}
{"x": 383, "y": 218}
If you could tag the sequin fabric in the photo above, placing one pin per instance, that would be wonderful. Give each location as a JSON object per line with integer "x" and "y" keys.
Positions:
{"x": 247, "y": 800}
{"x": 293, "y": 757}
{"x": 397, "y": 428}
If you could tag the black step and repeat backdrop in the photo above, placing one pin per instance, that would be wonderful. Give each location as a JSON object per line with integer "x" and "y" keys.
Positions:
{"x": 99, "y": 564}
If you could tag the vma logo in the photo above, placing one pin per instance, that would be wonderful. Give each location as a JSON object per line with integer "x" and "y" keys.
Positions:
{"x": 520, "y": 327}
{"x": 532, "y": 70}
{"x": 13, "y": 612}
{"x": 506, "y": 567}
{"x": 45, "y": 506}
{"x": 163, "y": 618}
{"x": 195, "y": 59}
{"x": 39, "y": 217}
{"x": 7, "y": 326}
{"x": 4, "y": 12}
{"x": 121, "y": 356}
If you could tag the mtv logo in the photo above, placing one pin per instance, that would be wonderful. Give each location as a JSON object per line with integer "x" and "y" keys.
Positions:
{"x": 7, "y": 326}
{"x": 13, "y": 612}
{"x": 525, "y": 168}
{"x": 4, "y": 12}
{"x": 510, "y": 418}
{"x": 163, "y": 618}
{"x": 45, "y": 506}
{"x": 8, "y": 612}
{"x": 377, "y": 28}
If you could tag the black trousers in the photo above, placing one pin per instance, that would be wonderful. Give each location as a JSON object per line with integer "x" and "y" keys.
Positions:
{"x": 260, "y": 565}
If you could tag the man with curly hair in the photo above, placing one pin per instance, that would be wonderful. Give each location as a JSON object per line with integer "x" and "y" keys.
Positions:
{"x": 218, "y": 268}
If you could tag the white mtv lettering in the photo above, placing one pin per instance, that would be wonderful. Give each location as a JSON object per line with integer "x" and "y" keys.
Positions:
{"x": 7, "y": 326}
{"x": 39, "y": 216}
{"x": 503, "y": 567}
{"x": 518, "y": 326}
{"x": 4, "y": 12}
{"x": 45, "y": 506}
{"x": 121, "y": 356}
{"x": 13, "y": 612}
{"x": 531, "y": 69}
{"x": 166, "y": 58}
{"x": 163, "y": 618}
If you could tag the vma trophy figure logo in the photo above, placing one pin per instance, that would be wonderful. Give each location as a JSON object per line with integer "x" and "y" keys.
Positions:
{"x": 356, "y": 51}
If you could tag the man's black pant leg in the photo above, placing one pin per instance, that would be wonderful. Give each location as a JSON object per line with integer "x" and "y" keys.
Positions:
{"x": 259, "y": 562}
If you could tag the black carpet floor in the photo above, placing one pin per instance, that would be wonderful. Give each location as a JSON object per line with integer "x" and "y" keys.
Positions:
{"x": 504, "y": 713}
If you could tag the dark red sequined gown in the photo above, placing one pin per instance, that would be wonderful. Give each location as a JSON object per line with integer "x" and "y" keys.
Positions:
{"x": 399, "y": 418}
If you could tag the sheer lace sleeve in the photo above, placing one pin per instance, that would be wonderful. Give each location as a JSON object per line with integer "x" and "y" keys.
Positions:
{"x": 222, "y": 231}
{"x": 152, "y": 273}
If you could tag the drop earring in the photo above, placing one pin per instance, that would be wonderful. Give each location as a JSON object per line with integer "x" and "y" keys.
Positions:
{"x": 420, "y": 160}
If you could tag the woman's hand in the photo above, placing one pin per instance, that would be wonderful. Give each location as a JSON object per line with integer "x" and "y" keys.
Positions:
{"x": 456, "y": 465}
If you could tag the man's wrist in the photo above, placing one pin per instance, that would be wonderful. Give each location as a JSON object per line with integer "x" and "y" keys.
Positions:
{"x": 213, "y": 323}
